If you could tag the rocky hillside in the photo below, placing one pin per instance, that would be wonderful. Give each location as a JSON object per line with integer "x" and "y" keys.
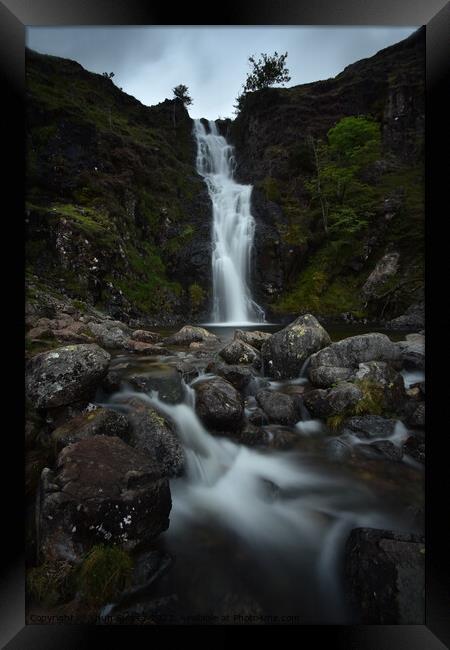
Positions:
{"x": 277, "y": 135}
{"x": 116, "y": 214}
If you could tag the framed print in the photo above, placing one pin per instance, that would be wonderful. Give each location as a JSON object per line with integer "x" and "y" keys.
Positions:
{"x": 230, "y": 258}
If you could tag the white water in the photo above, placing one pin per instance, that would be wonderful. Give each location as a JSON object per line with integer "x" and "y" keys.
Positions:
{"x": 233, "y": 230}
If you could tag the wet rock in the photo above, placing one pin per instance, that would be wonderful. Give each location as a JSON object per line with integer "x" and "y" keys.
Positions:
{"x": 154, "y": 435}
{"x": 417, "y": 419}
{"x": 219, "y": 405}
{"x": 285, "y": 352}
{"x": 187, "y": 371}
{"x": 279, "y": 407}
{"x": 165, "y": 381}
{"x": 147, "y": 348}
{"x": 258, "y": 417}
{"x": 146, "y": 337}
{"x": 338, "y": 448}
{"x": 102, "y": 491}
{"x": 382, "y": 375}
{"x": 239, "y": 376}
{"x": 112, "y": 381}
{"x": 239, "y": 352}
{"x": 189, "y": 334}
{"x": 326, "y": 376}
{"x": 382, "y": 449}
{"x": 385, "y": 574}
{"x": 109, "y": 334}
{"x": 252, "y": 435}
{"x": 99, "y": 422}
{"x": 412, "y": 351}
{"x": 255, "y": 339}
{"x": 334, "y": 401}
{"x": 65, "y": 374}
{"x": 350, "y": 352}
{"x": 369, "y": 426}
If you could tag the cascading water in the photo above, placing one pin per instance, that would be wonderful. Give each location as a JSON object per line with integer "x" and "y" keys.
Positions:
{"x": 232, "y": 231}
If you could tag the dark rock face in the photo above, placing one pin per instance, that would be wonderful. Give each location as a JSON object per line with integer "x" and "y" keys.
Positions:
{"x": 102, "y": 491}
{"x": 219, "y": 405}
{"x": 100, "y": 422}
{"x": 284, "y": 354}
{"x": 239, "y": 352}
{"x": 385, "y": 573}
{"x": 65, "y": 375}
{"x": 279, "y": 407}
{"x": 152, "y": 434}
{"x": 352, "y": 351}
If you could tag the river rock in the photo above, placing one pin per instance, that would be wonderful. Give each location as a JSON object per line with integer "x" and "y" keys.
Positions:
{"x": 146, "y": 337}
{"x": 102, "y": 491}
{"x": 64, "y": 375}
{"x": 110, "y": 334}
{"x": 239, "y": 376}
{"x": 415, "y": 447}
{"x": 326, "y": 376}
{"x": 412, "y": 351}
{"x": 285, "y": 352}
{"x": 99, "y": 422}
{"x": 255, "y": 339}
{"x": 334, "y": 401}
{"x": 279, "y": 407}
{"x": 350, "y": 352}
{"x": 385, "y": 574}
{"x": 166, "y": 381}
{"x": 189, "y": 334}
{"x": 154, "y": 435}
{"x": 239, "y": 352}
{"x": 417, "y": 419}
{"x": 219, "y": 405}
{"x": 383, "y": 375}
{"x": 413, "y": 318}
{"x": 382, "y": 449}
{"x": 369, "y": 426}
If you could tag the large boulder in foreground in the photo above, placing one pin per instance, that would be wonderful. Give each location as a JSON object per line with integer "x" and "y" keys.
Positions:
{"x": 385, "y": 575}
{"x": 99, "y": 422}
{"x": 219, "y": 405}
{"x": 334, "y": 401}
{"x": 102, "y": 491}
{"x": 64, "y": 375}
{"x": 285, "y": 352}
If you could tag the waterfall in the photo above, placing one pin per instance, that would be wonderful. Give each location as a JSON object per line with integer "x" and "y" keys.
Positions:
{"x": 233, "y": 230}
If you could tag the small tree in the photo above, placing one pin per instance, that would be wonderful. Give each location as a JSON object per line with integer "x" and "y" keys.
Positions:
{"x": 181, "y": 92}
{"x": 266, "y": 71}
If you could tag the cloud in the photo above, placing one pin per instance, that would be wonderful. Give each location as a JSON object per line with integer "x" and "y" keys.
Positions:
{"x": 212, "y": 61}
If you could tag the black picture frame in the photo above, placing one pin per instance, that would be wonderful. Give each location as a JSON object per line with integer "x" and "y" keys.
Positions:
{"x": 435, "y": 14}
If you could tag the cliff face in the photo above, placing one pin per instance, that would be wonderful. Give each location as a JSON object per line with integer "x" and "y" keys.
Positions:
{"x": 272, "y": 135}
{"x": 116, "y": 214}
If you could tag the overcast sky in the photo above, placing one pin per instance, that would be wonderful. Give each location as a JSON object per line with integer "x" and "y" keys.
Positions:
{"x": 212, "y": 61}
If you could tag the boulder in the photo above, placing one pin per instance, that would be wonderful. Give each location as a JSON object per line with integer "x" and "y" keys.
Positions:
{"x": 382, "y": 375}
{"x": 239, "y": 352}
{"x": 219, "y": 405}
{"x": 239, "y": 376}
{"x": 189, "y": 334}
{"x": 415, "y": 447}
{"x": 417, "y": 419}
{"x": 152, "y": 434}
{"x": 413, "y": 318}
{"x": 99, "y": 422}
{"x": 64, "y": 375}
{"x": 102, "y": 491}
{"x": 279, "y": 407}
{"x": 369, "y": 426}
{"x": 385, "y": 576}
{"x": 334, "y": 401}
{"x": 110, "y": 334}
{"x": 350, "y": 352}
{"x": 146, "y": 337}
{"x": 285, "y": 352}
{"x": 255, "y": 339}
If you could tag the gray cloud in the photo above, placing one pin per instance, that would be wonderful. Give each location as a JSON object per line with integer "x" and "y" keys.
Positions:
{"x": 212, "y": 61}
